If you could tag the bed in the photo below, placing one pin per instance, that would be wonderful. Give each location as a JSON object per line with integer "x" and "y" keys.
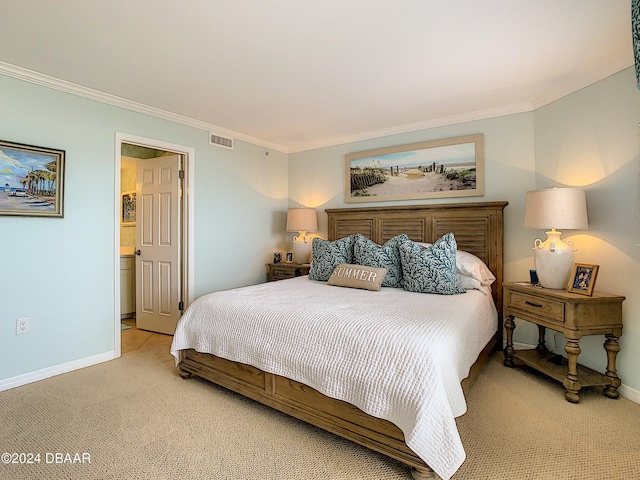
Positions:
{"x": 478, "y": 229}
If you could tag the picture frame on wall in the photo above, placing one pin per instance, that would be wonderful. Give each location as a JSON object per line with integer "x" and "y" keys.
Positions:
{"x": 128, "y": 208}
{"x": 451, "y": 167}
{"x": 31, "y": 180}
{"x": 583, "y": 278}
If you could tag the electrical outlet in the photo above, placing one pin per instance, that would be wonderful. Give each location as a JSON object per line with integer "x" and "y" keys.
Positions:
{"x": 22, "y": 325}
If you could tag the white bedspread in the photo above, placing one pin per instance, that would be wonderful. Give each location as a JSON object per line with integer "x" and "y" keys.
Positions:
{"x": 394, "y": 354}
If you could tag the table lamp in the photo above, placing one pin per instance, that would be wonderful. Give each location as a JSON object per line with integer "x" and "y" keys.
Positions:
{"x": 554, "y": 208}
{"x": 302, "y": 220}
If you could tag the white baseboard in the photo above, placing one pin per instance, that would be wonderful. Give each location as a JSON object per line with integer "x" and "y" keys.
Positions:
{"x": 630, "y": 393}
{"x": 625, "y": 391}
{"x": 30, "y": 377}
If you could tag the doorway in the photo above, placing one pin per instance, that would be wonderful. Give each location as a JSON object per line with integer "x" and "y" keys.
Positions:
{"x": 132, "y": 151}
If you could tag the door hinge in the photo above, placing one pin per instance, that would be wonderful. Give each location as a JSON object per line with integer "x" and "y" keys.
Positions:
{"x": 181, "y": 174}
{"x": 180, "y": 306}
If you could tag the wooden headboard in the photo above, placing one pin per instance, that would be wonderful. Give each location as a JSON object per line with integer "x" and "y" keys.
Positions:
{"x": 477, "y": 227}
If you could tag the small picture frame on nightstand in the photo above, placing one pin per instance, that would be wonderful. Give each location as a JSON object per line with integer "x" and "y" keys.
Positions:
{"x": 277, "y": 257}
{"x": 583, "y": 278}
{"x": 288, "y": 257}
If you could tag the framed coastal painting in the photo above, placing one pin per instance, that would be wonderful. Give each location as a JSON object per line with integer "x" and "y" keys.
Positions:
{"x": 451, "y": 167}
{"x": 31, "y": 180}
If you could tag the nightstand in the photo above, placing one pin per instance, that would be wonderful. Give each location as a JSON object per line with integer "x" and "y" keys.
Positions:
{"x": 573, "y": 315}
{"x": 282, "y": 271}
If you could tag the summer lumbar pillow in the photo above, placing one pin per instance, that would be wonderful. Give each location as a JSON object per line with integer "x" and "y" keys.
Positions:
{"x": 357, "y": 276}
{"x": 326, "y": 256}
{"x": 430, "y": 269}
{"x": 367, "y": 252}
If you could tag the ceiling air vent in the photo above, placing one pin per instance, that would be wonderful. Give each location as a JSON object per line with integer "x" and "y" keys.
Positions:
{"x": 220, "y": 141}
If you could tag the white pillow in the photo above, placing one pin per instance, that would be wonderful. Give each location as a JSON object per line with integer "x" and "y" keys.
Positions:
{"x": 469, "y": 265}
{"x": 470, "y": 283}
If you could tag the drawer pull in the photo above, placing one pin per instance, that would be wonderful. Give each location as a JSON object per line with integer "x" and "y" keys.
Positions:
{"x": 537, "y": 305}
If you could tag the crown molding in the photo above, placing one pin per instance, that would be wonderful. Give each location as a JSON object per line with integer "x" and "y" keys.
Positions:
{"x": 424, "y": 125}
{"x": 37, "y": 78}
{"x": 74, "y": 89}
{"x": 539, "y": 102}
{"x": 583, "y": 82}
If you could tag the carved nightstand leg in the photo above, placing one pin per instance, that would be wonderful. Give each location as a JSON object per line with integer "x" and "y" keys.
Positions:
{"x": 509, "y": 326}
{"x": 612, "y": 347}
{"x": 542, "y": 347}
{"x": 571, "y": 383}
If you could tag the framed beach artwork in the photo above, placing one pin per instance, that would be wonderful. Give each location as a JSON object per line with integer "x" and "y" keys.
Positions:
{"x": 451, "y": 167}
{"x": 31, "y": 180}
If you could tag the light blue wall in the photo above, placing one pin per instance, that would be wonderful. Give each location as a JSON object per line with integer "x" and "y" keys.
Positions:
{"x": 60, "y": 272}
{"x": 594, "y": 130}
{"x": 590, "y": 140}
{"x": 317, "y": 177}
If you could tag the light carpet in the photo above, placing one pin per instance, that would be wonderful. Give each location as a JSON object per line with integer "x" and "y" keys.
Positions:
{"x": 137, "y": 419}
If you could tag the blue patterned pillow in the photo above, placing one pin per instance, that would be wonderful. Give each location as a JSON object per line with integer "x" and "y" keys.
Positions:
{"x": 368, "y": 253}
{"x": 430, "y": 269}
{"x": 326, "y": 256}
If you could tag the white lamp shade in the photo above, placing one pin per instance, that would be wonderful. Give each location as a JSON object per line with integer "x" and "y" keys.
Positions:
{"x": 560, "y": 208}
{"x": 302, "y": 220}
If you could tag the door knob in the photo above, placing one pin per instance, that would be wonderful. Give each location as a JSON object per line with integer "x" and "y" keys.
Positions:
{"x": 137, "y": 251}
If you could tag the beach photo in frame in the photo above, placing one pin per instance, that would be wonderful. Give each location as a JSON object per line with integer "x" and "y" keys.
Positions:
{"x": 451, "y": 167}
{"x": 583, "y": 278}
{"x": 31, "y": 180}
{"x": 129, "y": 208}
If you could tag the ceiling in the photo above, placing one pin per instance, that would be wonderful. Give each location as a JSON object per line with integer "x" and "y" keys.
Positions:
{"x": 302, "y": 74}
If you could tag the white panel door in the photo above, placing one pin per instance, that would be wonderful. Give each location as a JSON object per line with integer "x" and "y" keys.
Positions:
{"x": 158, "y": 225}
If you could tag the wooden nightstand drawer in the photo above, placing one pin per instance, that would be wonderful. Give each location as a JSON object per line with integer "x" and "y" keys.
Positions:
{"x": 282, "y": 273}
{"x": 551, "y": 309}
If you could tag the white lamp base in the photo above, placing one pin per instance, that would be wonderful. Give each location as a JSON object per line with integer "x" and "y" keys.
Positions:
{"x": 554, "y": 260}
{"x": 301, "y": 251}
